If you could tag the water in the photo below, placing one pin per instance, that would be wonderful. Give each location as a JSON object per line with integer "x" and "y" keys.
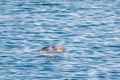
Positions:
{"x": 88, "y": 30}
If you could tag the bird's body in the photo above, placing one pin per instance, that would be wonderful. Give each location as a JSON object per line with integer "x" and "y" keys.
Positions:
{"x": 51, "y": 48}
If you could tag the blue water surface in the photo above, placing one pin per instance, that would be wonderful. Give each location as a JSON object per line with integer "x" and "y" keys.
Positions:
{"x": 88, "y": 30}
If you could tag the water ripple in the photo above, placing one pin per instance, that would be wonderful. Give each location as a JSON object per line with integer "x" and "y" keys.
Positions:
{"x": 88, "y": 31}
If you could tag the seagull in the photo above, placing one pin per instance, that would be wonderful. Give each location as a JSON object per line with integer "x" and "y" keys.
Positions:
{"x": 51, "y": 48}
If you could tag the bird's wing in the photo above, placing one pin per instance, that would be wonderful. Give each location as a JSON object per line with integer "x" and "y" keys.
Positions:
{"x": 44, "y": 49}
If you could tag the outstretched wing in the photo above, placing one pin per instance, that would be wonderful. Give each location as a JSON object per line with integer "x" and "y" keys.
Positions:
{"x": 58, "y": 49}
{"x": 44, "y": 49}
